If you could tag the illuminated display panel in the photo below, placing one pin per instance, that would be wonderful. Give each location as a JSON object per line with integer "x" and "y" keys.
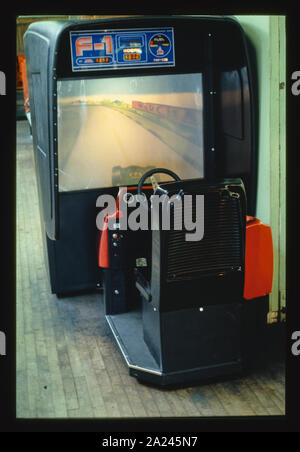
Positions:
{"x": 112, "y": 130}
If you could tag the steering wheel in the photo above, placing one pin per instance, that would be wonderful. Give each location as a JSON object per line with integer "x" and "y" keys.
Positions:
{"x": 154, "y": 171}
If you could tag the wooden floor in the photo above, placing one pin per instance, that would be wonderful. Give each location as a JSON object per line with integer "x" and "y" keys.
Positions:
{"x": 68, "y": 364}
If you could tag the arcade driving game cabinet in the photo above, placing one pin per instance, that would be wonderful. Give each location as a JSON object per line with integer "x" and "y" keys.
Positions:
{"x": 114, "y": 102}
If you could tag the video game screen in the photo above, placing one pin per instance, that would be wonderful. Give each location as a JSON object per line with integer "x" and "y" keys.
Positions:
{"x": 112, "y": 130}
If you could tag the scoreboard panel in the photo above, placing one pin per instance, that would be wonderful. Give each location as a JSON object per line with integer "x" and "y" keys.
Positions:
{"x": 117, "y": 49}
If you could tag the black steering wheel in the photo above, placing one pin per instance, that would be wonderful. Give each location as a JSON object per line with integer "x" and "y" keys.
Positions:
{"x": 154, "y": 171}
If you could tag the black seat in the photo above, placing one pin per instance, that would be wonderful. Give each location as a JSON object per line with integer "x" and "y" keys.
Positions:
{"x": 209, "y": 271}
{"x": 191, "y": 302}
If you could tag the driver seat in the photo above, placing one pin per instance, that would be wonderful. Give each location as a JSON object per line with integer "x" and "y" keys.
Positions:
{"x": 191, "y": 303}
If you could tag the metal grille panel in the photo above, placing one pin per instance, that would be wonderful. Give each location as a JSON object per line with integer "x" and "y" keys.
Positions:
{"x": 220, "y": 249}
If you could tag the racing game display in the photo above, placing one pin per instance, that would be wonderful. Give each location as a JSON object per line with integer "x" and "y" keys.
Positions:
{"x": 112, "y": 130}
{"x": 116, "y": 49}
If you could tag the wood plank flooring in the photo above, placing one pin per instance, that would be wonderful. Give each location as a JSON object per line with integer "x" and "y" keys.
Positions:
{"x": 68, "y": 364}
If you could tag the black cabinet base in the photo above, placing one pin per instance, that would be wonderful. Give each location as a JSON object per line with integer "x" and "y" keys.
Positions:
{"x": 127, "y": 329}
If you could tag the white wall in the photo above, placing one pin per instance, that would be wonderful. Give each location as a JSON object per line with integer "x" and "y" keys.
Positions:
{"x": 257, "y": 30}
{"x": 267, "y": 34}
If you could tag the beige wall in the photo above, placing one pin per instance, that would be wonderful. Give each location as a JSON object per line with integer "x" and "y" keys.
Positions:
{"x": 267, "y": 34}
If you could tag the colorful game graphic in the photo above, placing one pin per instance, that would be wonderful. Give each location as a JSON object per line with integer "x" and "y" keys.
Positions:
{"x": 111, "y": 129}
{"x": 116, "y": 49}
{"x": 160, "y": 45}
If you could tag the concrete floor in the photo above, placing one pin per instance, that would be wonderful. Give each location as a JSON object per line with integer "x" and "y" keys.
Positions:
{"x": 68, "y": 364}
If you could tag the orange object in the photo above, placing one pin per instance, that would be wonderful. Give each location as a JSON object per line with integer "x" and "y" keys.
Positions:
{"x": 22, "y": 66}
{"x": 258, "y": 259}
{"x": 19, "y": 82}
{"x": 103, "y": 257}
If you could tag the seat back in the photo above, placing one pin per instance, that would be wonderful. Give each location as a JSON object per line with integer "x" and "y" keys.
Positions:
{"x": 208, "y": 271}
